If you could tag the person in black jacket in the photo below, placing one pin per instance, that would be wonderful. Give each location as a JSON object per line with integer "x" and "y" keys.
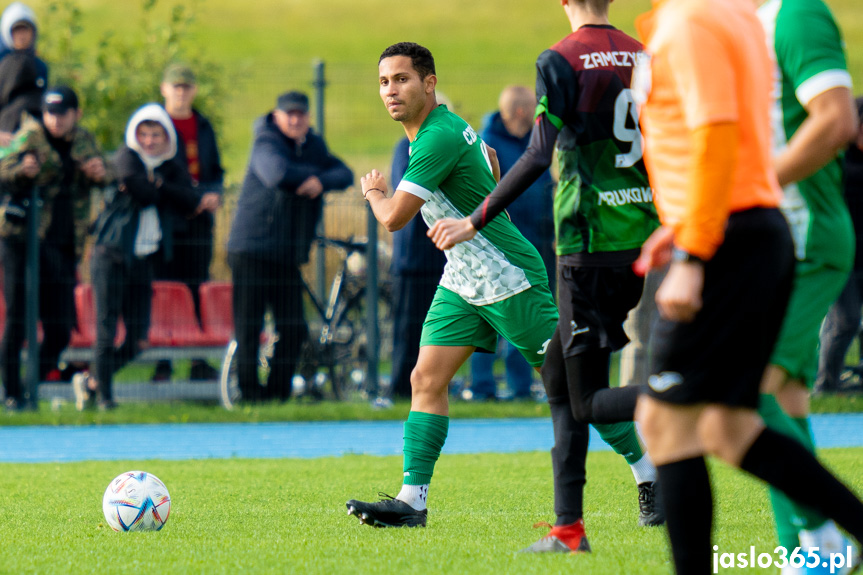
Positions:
{"x": 290, "y": 168}
{"x": 193, "y": 237}
{"x": 149, "y": 182}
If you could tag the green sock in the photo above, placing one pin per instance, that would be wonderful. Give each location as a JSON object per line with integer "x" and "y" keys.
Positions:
{"x": 790, "y": 517}
{"x": 622, "y": 438}
{"x": 425, "y": 434}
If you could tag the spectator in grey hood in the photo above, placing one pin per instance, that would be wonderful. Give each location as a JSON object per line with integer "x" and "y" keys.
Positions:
{"x": 23, "y": 75}
{"x": 130, "y": 230}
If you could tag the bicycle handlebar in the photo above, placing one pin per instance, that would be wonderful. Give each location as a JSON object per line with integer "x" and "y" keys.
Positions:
{"x": 349, "y": 246}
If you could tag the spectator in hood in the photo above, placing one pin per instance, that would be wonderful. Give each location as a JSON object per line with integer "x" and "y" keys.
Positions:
{"x": 132, "y": 228}
{"x": 23, "y": 75}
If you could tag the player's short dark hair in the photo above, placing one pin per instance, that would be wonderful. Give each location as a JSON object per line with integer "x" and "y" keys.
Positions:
{"x": 595, "y": 6}
{"x": 421, "y": 57}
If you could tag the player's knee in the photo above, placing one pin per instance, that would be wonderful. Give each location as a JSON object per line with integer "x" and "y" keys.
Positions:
{"x": 582, "y": 409}
{"x": 424, "y": 382}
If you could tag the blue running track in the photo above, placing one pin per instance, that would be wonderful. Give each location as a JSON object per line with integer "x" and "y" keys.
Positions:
{"x": 276, "y": 440}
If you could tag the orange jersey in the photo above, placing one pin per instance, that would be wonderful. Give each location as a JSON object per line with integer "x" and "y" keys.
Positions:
{"x": 708, "y": 65}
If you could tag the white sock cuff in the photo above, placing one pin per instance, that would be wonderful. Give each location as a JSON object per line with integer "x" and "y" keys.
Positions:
{"x": 643, "y": 470}
{"x": 414, "y": 495}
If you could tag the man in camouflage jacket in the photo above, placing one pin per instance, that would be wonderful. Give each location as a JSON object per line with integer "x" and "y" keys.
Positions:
{"x": 64, "y": 162}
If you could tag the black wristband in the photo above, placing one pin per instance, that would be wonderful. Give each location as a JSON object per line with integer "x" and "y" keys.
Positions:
{"x": 365, "y": 193}
{"x": 682, "y": 256}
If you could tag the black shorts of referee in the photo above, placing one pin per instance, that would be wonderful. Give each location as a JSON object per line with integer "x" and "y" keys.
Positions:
{"x": 721, "y": 355}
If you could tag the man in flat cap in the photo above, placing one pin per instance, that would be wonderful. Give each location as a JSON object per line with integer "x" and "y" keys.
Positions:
{"x": 192, "y": 237}
{"x": 63, "y": 160}
{"x": 290, "y": 168}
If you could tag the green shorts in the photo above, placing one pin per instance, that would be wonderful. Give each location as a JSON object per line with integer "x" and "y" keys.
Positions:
{"x": 816, "y": 287}
{"x": 527, "y": 320}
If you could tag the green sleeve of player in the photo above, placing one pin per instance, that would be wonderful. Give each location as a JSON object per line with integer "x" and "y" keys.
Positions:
{"x": 809, "y": 48}
{"x": 433, "y": 156}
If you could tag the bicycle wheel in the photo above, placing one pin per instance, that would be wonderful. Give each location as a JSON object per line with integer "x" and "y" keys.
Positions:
{"x": 229, "y": 388}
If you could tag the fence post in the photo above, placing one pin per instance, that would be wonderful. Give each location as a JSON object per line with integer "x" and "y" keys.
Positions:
{"x": 372, "y": 347}
{"x": 31, "y": 275}
{"x": 319, "y": 83}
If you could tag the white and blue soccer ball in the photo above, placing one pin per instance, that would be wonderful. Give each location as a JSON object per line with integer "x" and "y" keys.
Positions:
{"x": 136, "y": 501}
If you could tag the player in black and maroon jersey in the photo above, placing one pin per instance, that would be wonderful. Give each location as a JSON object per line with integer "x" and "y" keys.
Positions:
{"x": 604, "y": 212}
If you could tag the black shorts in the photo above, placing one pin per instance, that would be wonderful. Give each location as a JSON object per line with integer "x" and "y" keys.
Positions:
{"x": 720, "y": 357}
{"x": 594, "y": 302}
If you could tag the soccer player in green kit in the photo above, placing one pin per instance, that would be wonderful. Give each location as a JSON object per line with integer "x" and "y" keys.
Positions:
{"x": 814, "y": 118}
{"x": 494, "y": 284}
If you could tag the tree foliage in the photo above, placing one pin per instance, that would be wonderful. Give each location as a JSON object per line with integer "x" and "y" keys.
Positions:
{"x": 122, "y": 70}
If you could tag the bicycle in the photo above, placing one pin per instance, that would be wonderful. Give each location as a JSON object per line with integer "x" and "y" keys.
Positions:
{"x": 335, "y": 351}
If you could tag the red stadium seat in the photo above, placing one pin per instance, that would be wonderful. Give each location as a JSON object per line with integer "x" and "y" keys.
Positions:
{"x": 217, "y": 310}
{"x": 85, "y": 333}
{"x": 172, "y": 319}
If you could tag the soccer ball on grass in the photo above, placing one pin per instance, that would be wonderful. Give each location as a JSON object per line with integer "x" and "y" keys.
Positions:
{"x": 136, "y": 501}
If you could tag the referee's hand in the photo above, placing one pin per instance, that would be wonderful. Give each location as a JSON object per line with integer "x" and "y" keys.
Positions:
{"x": 679, "y": 296}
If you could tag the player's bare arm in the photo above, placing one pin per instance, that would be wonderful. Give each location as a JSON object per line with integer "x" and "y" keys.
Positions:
{"x": 393, "y": 212}
{"x": 827, "y": 130}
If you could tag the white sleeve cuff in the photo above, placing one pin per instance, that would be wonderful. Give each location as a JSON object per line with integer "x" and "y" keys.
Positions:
{"x": 820, "y": 83}
{"x": 414, "y": 189}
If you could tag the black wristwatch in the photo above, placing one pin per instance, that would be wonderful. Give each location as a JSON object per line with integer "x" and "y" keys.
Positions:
{"x": 679, "y": 255}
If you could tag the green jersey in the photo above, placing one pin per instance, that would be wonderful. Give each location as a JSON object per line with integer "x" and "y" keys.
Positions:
{"x": 809, "y": 60}
{"x": 449, "y": 168}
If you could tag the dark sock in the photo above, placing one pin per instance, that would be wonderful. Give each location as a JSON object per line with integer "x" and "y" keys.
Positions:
{"x": 568, "y": 463}
{"x": 790, "y": 467}
{"x": 592, "y": 400}
{"x": 685, "y": 487}
{"x": 615, "y": 404}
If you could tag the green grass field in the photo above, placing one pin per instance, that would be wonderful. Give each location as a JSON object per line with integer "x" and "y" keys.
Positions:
{"x": 288, "y": 516}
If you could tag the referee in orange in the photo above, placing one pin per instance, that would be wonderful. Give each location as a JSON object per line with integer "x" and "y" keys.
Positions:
{"x": 705, "y": 87}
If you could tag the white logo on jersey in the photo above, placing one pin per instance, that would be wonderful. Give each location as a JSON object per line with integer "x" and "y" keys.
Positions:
{"x": 575, "y": 330}
{"x": 608, "y": 58}
{"x": 544, "y": 347}
{"x": 664, "y": 381}
{"x": 625, "y": 196}
{"x": 469, "y": 136}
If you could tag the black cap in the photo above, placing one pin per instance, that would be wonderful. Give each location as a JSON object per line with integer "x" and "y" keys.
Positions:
{"x": 59, "y": 100}
{"x": 293, "y": 102}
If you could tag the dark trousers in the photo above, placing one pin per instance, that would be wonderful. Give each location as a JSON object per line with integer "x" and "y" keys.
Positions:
{"x": 260, "y": 284}
{"x": 190, "y": 264}
{"x": 841, "y": 326}
{"x": 120, "y": 289}
{"x": 412, "y": 297}
{"x": 190, "y": 261}
{"x": 56, "y": 309}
